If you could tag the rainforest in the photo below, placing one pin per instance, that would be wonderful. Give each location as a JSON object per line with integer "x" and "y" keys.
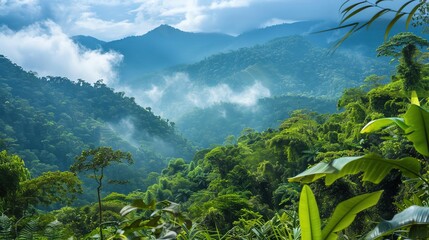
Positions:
{"x": 310, "y": 130}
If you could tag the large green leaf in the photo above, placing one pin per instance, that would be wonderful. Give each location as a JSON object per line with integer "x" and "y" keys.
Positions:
{"x": 373, "y": 167}
{"x": 346, "y": 212}
{"x": 137, "y": 204}
{"x": 417, "y": 119}
{"x": 309, "y": 215}
{"x": 412, "y": 216}
{"x": 378, "y": 124}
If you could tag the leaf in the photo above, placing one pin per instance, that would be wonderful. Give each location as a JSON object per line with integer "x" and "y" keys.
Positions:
{"x": 376, "y": 16}
{"x": 411, "y": 14}
{"x": 354, "y": 13}
{"x": 415, "y": 98}
{"x": 414, "y": 215}
{"x": 378, "y": 124}
{"x": 374, "y": 169}
{"x": 309, "y": 215}
{"x": 345, "y": 213}
{"x": 389, "y": 27}
{"x": 137, "y": 204}
{"x": 417, "y": 119}
{"x": 405, "y": 5}
{"x": 347, "y": 9}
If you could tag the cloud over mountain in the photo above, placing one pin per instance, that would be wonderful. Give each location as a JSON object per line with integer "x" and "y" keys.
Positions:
{"x": 47, "y": 50}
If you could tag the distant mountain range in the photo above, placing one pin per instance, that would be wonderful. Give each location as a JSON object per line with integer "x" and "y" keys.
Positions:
{"x": 180, "y": 73}
{"x": 166, "y": 46}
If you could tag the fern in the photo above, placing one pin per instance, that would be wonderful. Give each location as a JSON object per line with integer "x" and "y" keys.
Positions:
{"x": 54, "y": 231}
{"x": 5, "y": 227}
{"x": 30, "y": 231}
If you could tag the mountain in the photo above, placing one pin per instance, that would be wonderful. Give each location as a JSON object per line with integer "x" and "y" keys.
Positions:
{"x": 213, "y": 125}
{"x": 166, "y": 46}
{"x": 48, "y": 121}
{"x": 88, "y": 42}
{"x": 245, "y": 88}
{"x": 163, "y": 47}
{"x": 285, "y": 66}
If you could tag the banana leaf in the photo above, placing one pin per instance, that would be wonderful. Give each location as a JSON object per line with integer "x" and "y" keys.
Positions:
{"x": 345, "y": 213}
{"x": 309, "y": 215}
{"x": 410, "y": 217}
{"x": 417, "y": 119}
{"x": 373, "y": 167}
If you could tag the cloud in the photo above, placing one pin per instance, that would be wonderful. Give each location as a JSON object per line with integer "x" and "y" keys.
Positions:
{"x": 177, "y": 95}
{"x": 222, "y": 93}
{"x": 47, "y": 50}
{"x": 115, "y": 19}
{"x": 229, "y": 4}
{"x": 276, "y": 21}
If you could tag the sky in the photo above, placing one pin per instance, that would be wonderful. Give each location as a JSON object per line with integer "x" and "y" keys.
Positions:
{"x": 115, "y": 19}
{"x": 35, "y": 34}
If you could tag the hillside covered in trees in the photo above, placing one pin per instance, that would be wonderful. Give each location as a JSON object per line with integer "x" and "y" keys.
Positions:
{"x": 48, "y": 122}
{"x": 314, "y": 146}
{"x": 246, "y": 188}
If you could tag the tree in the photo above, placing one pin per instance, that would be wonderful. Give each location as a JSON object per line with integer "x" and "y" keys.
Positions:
{"x": 12, "y": 173}
{"x": 405, "y": 45}
{"x": 95, "y": 161}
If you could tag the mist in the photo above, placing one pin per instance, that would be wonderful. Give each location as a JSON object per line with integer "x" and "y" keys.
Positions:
{"x": 45, "y": 49}
{"x": 177, "y": 95}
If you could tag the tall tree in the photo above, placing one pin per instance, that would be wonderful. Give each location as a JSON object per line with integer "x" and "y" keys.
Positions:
{"x": 405, "y": 46}
{"x": 95, "y": 161}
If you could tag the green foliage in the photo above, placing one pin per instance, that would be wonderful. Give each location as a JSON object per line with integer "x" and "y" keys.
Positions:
{"x": 414, "y": 124}
{"x": 51, "y": 187}
{"x": 374, "y": 169}
{"x": 165, "y": 221}
{"x": 212, "y": 125}
{"x": 99, "y": 158}
{"x": 309, "y": 215}
{"x": 344, "y": 214}
{"x": 12, "y": 172}
{"x": 47, "y": 121}
{"x": 413, "y": 218}
{"x": 408, "y": 67}
{"x": 95, "y": 161}
{"x": 397, "y": 45}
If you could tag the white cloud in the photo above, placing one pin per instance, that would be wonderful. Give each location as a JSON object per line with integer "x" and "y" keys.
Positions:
{"x": 115, "y": 19}
{"x": 178, "y": 95}
{"x": 276, "y": 21}
{"x": 47, "y": 50}
{"x": 229, "y": 4}
{"x": 222, "y": 93}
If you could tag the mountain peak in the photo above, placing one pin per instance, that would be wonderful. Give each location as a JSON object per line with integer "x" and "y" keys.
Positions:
{"x": 164, "y": 28}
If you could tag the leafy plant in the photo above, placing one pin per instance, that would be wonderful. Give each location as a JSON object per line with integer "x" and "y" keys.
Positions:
{"x": 164, "y": 222}
{"x": 343, "y": 215}
{"x": 374, "y": 168}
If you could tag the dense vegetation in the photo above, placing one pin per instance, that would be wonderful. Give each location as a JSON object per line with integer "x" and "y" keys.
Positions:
{"x": 244, "y": 188}
{"x": 214, "y": 124}
{"x": 287, "y": 65}
{"x": 49, "y": 121}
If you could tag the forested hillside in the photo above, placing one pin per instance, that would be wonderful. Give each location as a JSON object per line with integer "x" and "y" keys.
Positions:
{"x": 48, "y": 121}
{"x": 215, "y": 124}
{"x": 289, "y": 65}
{"x": 241, "y": 189}
{"x": 282, "y": 140}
